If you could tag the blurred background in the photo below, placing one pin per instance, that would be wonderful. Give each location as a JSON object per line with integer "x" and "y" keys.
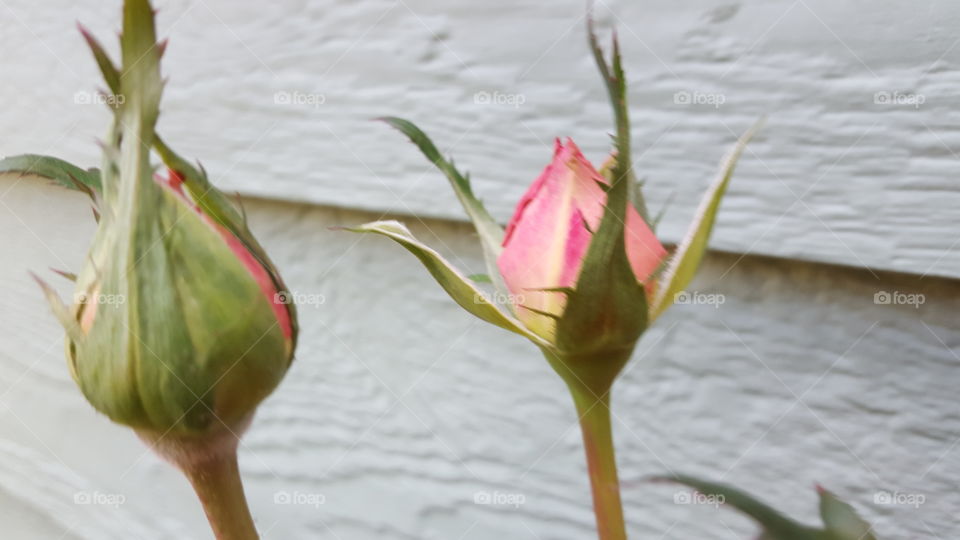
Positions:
{"x": 819, "y": 343}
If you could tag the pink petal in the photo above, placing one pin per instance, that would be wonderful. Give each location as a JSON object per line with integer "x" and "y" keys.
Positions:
{"x": 549, "y": 235}
{"x": 643, "y": 248}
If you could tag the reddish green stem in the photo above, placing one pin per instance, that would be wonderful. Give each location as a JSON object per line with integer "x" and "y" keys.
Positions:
{"x": 220, "y": 490}
{"x": 210, "y": 463}
{"x": 594, "y": 413}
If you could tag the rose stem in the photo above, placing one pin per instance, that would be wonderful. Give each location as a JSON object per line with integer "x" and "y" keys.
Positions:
{"x": 594, "y": 413}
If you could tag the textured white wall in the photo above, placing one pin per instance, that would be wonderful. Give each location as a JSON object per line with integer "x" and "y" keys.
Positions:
{"x": 401, "y": 407}
{"x": 835, "y": 177}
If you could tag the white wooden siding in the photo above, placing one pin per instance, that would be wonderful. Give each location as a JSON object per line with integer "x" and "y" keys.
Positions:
{"x": 401, "y": 407}
{"x": 835, "y": 176}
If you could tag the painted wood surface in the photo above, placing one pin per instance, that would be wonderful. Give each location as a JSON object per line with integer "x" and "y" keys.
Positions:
{"x": 857, "y": 165}
{"x": 402, "y": 412}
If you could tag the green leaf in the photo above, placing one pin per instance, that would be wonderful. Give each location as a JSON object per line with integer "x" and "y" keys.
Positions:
{"x": 491, "y": 234}
{"x": 775, "y": 525}
{"x": 842, "y": 520}
{"x": 55, "y": 169}
{"x": 686, "y": 259}
{"x": 458, "y": 286}
{"x": 479, "y": 278}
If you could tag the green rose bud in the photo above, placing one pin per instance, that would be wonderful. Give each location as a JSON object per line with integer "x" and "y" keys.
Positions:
{"x": 179, "y": 325}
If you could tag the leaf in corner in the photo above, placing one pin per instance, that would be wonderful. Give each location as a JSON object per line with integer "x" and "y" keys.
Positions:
{"x": 58, "y": 170}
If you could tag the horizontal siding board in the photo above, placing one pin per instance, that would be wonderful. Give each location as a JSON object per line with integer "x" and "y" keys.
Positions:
{"x": 834, "y": 177}
{"x": 401, "y": 407}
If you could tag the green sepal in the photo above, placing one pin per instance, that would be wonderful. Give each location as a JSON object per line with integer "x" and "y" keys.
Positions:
{"x": 663, "y": 212}
{"x": 221, "y": 209}
{"x": 460, "y": 288}
{"x": 211, "y": 200}
{"x": 636, "y": 197}
{"x": 841, "y": 521}
{"x": 70, "y": 276}
{"x": 620, "y": 165}
{"x": 588, "y": 375}
{"x": 489, "y": 231}
{"x": 607, "y": 310}
{"x": 58, "y": 170}
{"x": 60, "y": 310}
{"x": 110, "y": 72}
{"x": 686, "y": 259}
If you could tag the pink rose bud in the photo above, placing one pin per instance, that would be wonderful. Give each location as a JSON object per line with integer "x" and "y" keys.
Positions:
{"x": 581, "y": 268}
{"x": 550, "y": 232}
